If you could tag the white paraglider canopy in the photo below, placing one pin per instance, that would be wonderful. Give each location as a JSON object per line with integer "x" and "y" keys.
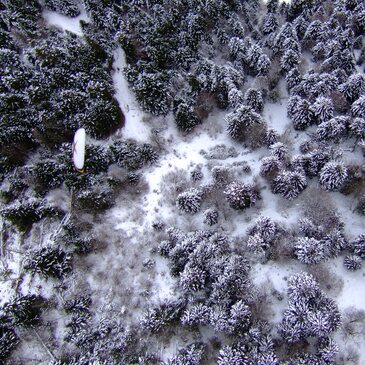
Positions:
{"x": 78, "y": 149}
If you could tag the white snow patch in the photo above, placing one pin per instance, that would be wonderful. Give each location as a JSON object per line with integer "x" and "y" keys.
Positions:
{"x": 64, "y": 22}
{"x": 276, "y": 118}
{"x": 134, "y": 127}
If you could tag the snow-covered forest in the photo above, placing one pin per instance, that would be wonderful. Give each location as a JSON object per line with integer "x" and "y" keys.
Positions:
{"x": 220, "y": 216}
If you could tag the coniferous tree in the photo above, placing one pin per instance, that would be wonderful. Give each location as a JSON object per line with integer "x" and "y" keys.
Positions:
{"x": 332, "y": 175}
{"x": 300, "y": 112}
{"x": 333, "y": 129}
{"x": 289, "y": 184}
{"x": 253, "y": 99}
{"x": 322, "y": 109}
{"x": 49, "y": 261}
{"x": 211, "y": 217}
{"x": 241, "y": 196}
{"x": 245, "y": 125}
{"x": 189, "y": 201}
{"x": 358, "y": 107}
{"x": 309, "y": 250}
{"x": 352, "y": 262}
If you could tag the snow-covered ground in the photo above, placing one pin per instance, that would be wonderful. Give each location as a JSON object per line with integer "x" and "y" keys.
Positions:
{"x": 116, "y": 273}
{"x": 64, "y": 22}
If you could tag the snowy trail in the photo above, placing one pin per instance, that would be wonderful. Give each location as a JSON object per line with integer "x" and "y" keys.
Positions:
{"x": 64, "y": 22}
{"x": 134, "y": 127}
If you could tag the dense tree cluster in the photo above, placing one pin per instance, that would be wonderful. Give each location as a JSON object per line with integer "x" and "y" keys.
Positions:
{"x": 310, "y": 312}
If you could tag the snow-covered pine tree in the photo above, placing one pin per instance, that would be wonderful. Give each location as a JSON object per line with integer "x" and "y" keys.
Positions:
{"x": 192, "y": 278}
{"x": 333, "y": 129}
{"x": 309, "y": 250}
{"x": 358, "y": 107}
{"x": 289, "y": 184}
{"x": 279, "y": 150}
{"x": 358, "y": 246}
{"x": 289, "y": 60}
{"x": 300, "y": 112}
{"x": 190, "y": 355}
{"x": 315, "y": 160}
{"x": 253, "y": 98}
{"x": 189, "y": 201}
{"x": 185, "y": 117}
{"x": 327, "y": 349}
{"x": 264, "y": 226}
{"x": 310, "y": 312}
{"x": 270, "y": 166}
{"x": 49, "y": 261}
{"x": 25, "y": 310}
{"x": 211, "y": 216}
{"x": 257, "y": 243}
{"x": 271, "y": 137}
{"x": 293, "y": 78}
{"x": 333, "y": 175}
{"x": 353, "y": 262}
{"x": 354, "y": 87}
{"x": 196, "y": 315}
{"x": 269, "y": 23}
{"x": 322, "y": 109}
{"x": 240, "y": 195}
{"x": 235, "y": 355}
{"x": 8, "y": 339}
{"x": 357, "y": 127}
{"x": 310, "y": 229}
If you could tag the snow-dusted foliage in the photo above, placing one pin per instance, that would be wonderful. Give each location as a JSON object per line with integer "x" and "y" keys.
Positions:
{"x": 358, "y": 108}
{"x": 279, "y": 150}
{"x": 140, "y": 76}
{"x": 198, "y": 314}
{"x": 309, "y": 250}
{"x": 245, "y": 125}
{"x": 354, "y": 87}
{"x": 310, "y": 312}
{"x": 300, "y": 112}
{"x": 322, "y": 109}
{"x": 262, "y": 235}
{"x": 24, "y": 311}
{"x": 358, "y": 246}
{"x": 211, "y": 217}
{"x": 315, "y": 160}
{"x": 357, "y": 127}
{"x": 49, "y": 261}
{"x": 254, "y": 100}
{"x": 289, "y": 60}
{"x": 185, "y": 117}
{"x": 289, "y": 184}
{"x": 332, "y": 175}
{"x": 65, "y": 7}
{"x": 191, "y": 355}
{"x": 353, "y": 262}
{"x": 24, "y": 214}
{"x": 189, "y": 201}
{"x": 332, "y": 129}
{"x": 270, "y": 165}
{"x": 9, "y": 339}
{"x": 241, "y": 195}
